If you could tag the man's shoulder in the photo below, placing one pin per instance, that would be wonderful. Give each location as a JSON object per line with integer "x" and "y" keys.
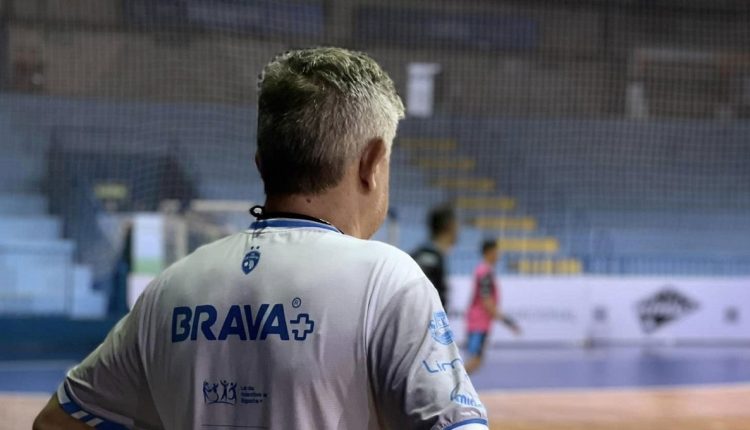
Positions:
{"x": 483, "y": 269}
{"x": 205, "y": 256}
{"x": 378, "y": 251}
{"x": 378, "y": 257}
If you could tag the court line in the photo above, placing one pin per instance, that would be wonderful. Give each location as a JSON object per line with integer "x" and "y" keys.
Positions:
{"x": 579, "y": 390}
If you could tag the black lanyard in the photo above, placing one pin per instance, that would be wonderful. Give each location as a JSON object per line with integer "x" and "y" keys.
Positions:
{"x": 260, "y": 214}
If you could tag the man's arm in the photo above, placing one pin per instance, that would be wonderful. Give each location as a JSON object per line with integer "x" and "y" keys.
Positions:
{"x": 108, "y": 389}
{"x": 418, "y": 377}
{"x": 486, "y": 285}
{"x": 52, "y": 417}
{"x": 489, "y": 306}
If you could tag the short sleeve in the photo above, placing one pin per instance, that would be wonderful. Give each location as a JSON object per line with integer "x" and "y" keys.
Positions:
{"x": 416, "y": 372}
{"x": 108, "y": 389}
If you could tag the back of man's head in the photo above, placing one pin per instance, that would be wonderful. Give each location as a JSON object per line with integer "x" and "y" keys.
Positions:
{"x": 318, "y": 108}
{"x": 442, "y": 220}
{"x": 488, "y": 245}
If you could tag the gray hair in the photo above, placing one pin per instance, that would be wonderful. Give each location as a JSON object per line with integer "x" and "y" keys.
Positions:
{"x": 317, "y": 110}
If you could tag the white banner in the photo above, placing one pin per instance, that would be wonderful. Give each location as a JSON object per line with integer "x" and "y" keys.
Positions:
{"x": 545, "y": 309}
{"x": 580, "y": 309}
{"x": 672, "y": 309}
{"x": 585, "y": 308}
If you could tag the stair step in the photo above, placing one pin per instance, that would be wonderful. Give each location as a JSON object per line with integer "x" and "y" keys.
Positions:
{"x": 87, "y": 303}
{"x": 505, "y": 223}
{"x": 462, "y": 164}
{"x": 443, "y": 145}
{"x": 30, "y": 228}
{"x": 23, "y": 204}
{"x": 35, "y": 276}
{"x": 545, "y": 245}
{"x": 568, "y": 266}
{"x": 486, "y": 203}
{"x": 465, "y": 184}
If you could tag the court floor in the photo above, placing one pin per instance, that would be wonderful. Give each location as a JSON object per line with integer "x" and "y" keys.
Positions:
{"x": 659, "y": 388}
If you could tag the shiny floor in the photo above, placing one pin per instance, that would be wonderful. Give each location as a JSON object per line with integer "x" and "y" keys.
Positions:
{"x": 687, "y": 388}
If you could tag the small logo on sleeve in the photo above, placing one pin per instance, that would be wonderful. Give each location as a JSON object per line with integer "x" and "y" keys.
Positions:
{"x": 251, "y": 260}
{"x": 465, "y": 398}
{"x": 440, "y": 329}
{"x": 437, "y": 366}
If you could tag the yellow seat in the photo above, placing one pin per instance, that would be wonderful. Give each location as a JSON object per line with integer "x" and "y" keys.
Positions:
{"x": 430, "y": 144}
{"x": 547, "y": 266}
{"x": 498, "y": 203}
{"x": 506, "y": 223}
{"x": 547, "y": 245}
{"x": 466, "y": 184}
{"x": 460, "y": 163}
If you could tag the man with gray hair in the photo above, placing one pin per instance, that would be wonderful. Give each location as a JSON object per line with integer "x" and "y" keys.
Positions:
{"x": 298, "y": 322}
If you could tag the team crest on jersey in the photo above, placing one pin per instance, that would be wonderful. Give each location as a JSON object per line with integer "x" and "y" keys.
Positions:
{"x": 251, "y": 260}
{"x": 440, "y": 329}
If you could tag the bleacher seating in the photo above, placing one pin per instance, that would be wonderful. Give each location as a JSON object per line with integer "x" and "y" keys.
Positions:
{"x": 557, "y": 202}
{"x": 37, "y": 266}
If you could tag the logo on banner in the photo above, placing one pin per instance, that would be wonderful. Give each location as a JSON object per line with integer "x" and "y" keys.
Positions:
{"x": 731, "y": 315}
{"x": 440, "y": 329}
{"x": 664, "y": 307}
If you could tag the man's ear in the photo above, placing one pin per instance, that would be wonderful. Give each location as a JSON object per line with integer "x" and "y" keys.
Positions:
{"x": 370, "y": 161}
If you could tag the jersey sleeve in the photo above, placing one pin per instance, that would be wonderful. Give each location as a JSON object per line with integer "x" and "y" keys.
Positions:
{"x": 108, "y": 389}
{"x": 416, "y": 372}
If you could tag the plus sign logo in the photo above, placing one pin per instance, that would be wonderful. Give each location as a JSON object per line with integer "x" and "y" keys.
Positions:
{"x": 303, "y": 326}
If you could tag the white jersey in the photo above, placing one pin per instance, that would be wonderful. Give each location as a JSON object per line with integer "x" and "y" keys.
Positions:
{"x": 288, "y": 325}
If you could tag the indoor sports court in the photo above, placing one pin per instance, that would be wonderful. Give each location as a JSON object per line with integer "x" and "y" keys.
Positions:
{"x": 539, "y": 388}
{"x": 602, "y": 149}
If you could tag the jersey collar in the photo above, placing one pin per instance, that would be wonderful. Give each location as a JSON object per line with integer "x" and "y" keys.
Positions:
{"x": 291, "y": 223}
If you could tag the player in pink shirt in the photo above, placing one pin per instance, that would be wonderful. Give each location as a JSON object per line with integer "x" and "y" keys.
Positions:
{"x": 485, "y": 306}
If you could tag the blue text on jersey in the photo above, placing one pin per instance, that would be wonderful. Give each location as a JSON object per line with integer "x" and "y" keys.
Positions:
{"x": 243, "y": 322}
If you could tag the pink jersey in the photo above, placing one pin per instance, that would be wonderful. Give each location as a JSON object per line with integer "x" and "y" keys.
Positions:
{"x": 478, "y": 319}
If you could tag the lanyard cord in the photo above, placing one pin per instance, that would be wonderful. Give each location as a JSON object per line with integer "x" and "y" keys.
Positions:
{"x": 260, "y": 214}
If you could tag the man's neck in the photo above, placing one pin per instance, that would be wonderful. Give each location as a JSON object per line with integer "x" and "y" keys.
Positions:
{"x": 326, "y": 207}
{"x": 442, "y": 243}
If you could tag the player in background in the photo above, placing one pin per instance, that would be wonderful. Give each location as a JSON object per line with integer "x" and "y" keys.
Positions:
{"x": 431, "y": 256}
{"x": 299, "y": 322}
{"x": 485, "y": 306}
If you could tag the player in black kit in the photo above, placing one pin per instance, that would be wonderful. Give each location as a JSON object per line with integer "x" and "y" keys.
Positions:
{"x": 431, "y": 256}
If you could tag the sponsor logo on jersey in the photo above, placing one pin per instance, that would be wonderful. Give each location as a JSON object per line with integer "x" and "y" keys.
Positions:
{"x": 251, "y": 260}
{"x": 443, "y": 366}
{"x": 664, "y": 307}
{"x": 465, "y": 398}
{"x": 225, "y": 392}
{"x": 440, "y": 329}
{"x": 241, "y": 322}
